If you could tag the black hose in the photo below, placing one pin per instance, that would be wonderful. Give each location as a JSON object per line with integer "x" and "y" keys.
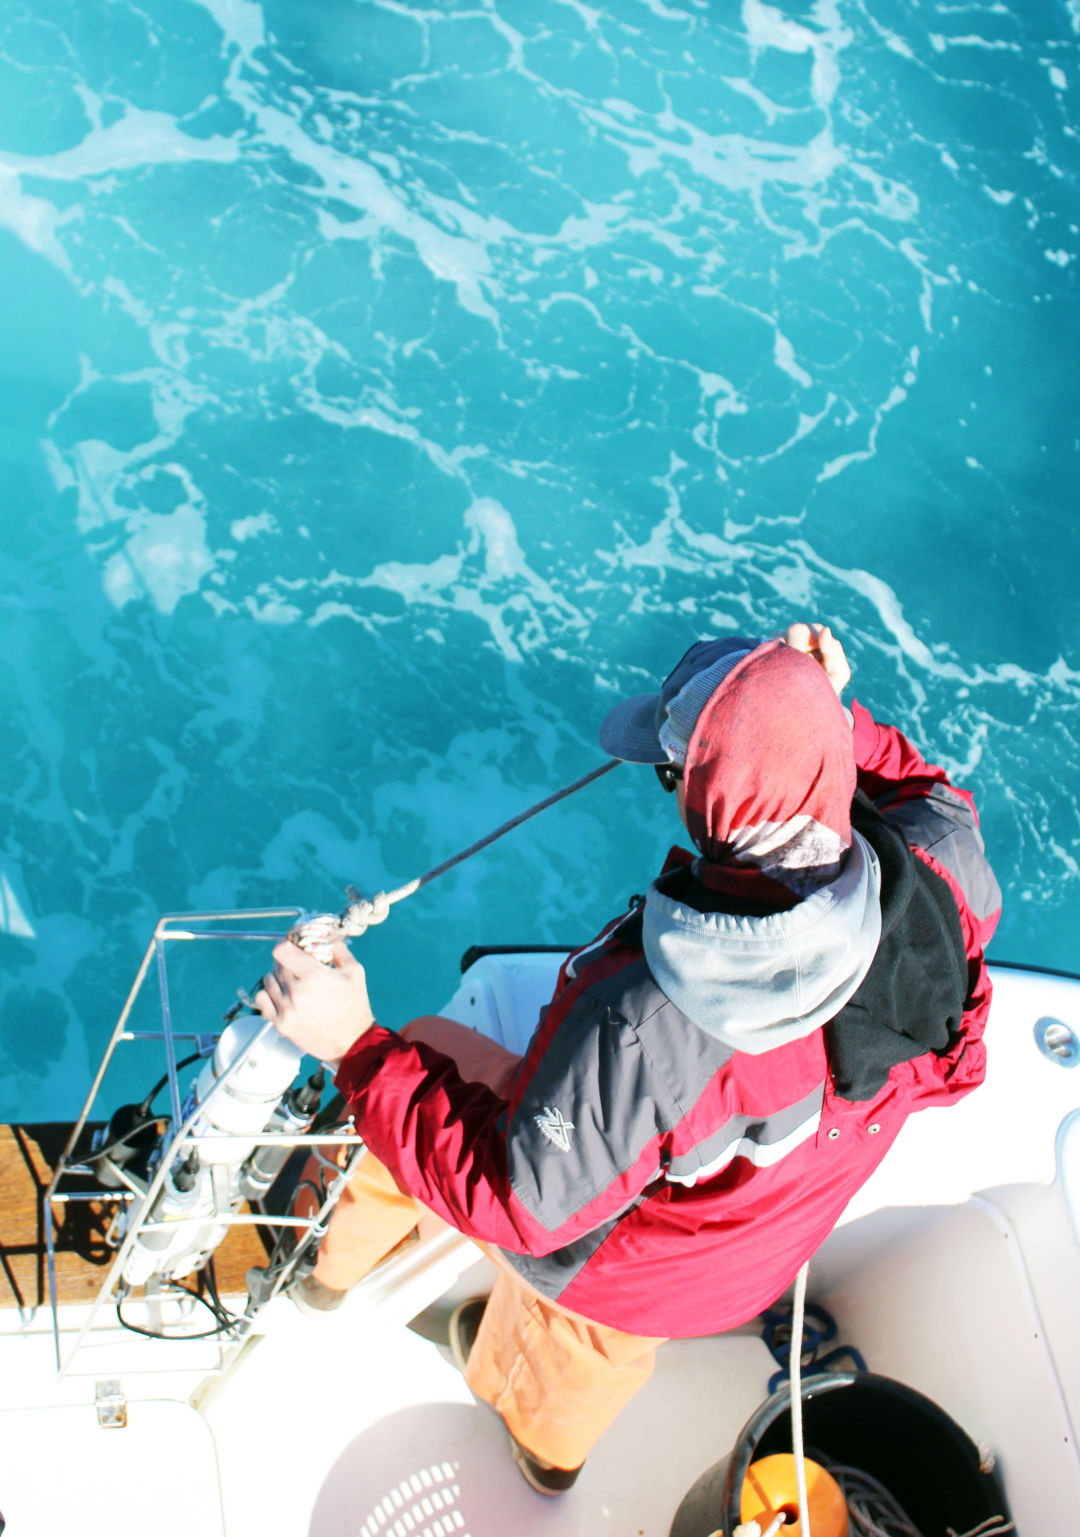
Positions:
{"x": 227, "y": 1322}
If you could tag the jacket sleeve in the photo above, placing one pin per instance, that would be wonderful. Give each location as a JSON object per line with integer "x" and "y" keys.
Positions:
{"x": 938, "y": 819}
{"x": 942, "y": 828}
{"x": 575, "y": 1145}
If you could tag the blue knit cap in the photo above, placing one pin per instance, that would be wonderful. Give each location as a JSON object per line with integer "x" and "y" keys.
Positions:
{"x": 656, "y": 728}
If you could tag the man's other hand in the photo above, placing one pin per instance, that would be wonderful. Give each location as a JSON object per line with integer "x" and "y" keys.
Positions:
{"x": 818, "y": 641}
{"x": 322, "y": 1009}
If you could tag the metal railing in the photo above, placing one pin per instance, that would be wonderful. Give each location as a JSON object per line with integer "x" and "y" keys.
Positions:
{"x": 178, "y": 928}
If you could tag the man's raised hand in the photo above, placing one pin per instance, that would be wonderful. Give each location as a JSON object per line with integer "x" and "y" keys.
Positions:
{"x": 818, "y": 641}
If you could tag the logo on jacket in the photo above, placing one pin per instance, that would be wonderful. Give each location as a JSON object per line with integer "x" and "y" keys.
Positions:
{"x": 556, "y": 1127}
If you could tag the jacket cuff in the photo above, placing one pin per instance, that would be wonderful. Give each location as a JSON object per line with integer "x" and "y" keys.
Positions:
{"x": 364, "y": 1058}
{"x": 864, "y": 734}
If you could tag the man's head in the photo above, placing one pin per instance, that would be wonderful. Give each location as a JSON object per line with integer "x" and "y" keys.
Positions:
{"x": 656, "y": 728}
{"x": 765, "y": 751}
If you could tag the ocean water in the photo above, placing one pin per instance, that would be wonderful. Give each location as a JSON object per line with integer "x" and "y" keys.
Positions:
{"x": 389, "y": 386}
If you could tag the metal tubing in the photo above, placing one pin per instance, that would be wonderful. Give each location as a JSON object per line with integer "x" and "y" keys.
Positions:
{"x": 116, "y": 1268}
{"x": 66, "y": 1197}
{"x": 231, "y": 917}
{"x": 178, "y": 1035}
{"x": 227, "y": 1219}
{"x": 147, "y": 1197}
{"x": 166, "y": 1015}
{"x": 50, "y": 1249}
{"x": 163, "y": 932}
{"x": 321, "y": 1221}
{"x": 266, "y": 936}
{"x": 140, "y": 977}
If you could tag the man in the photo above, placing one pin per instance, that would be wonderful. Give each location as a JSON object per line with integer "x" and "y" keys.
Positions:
{"x": 719, "y": 1070}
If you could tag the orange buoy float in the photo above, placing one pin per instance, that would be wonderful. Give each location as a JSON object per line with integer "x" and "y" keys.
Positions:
{"x": 770, "y": 1487}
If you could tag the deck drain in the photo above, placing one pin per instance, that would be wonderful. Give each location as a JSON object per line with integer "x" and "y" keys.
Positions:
{"x": 423, "y": 1505}
{"x": 1057, "y": 1041}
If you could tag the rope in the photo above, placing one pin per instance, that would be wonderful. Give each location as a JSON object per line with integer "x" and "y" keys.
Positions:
{"x": 753, "y": 1528}
{"x": 319, "y": 934}
{"x": 796, "y": 1398}
{"x": 873, "y": 1511}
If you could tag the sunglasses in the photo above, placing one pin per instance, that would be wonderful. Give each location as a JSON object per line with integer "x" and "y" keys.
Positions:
{"x": 668, "y": 774}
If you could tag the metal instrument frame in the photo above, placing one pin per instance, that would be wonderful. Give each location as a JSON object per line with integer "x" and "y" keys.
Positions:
{"x": 166, "y": 931}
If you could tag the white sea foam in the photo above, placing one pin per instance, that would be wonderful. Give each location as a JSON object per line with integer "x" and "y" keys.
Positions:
{"x": 806, "y": 424}
{"x": 935, "y": 662}
{"x": 973, "y": 40}
{"x": 268, "y": 608}
{"x": 892, "y": 40}
{"x": 242, "y": 26}
{"x": 243, "y": 529}
{"x": 770, "y": 109}
{"x": 784, "y": 357}
{"x": 896, "y": 396}
{"x": 138, "y": 139}
{"x": 768, "y": 27}
{"x": 33, "y": 220}
{"x": 414, "y": 582}
{"x": 458, "y": 258}
{"x": 165, "y": 557}
{"x": 13, "y": 919}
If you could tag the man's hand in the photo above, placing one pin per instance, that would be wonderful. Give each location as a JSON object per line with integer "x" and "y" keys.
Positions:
{"x": 818, "y": 641}
{"x": 322, "y": 1009}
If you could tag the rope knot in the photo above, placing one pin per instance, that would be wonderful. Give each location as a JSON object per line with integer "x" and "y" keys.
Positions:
{"x": 363, "y": 911}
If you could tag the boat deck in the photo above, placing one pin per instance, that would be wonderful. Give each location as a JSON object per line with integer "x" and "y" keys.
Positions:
{"x": 955, "y": 1271}
{"x": 28, "y": 1157}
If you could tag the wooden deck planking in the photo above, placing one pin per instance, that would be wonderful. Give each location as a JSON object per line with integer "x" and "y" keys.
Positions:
{"x": 28, "y": 1156}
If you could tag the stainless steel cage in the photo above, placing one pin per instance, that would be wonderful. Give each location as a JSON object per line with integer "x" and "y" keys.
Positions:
{"x": 188, "y": 928}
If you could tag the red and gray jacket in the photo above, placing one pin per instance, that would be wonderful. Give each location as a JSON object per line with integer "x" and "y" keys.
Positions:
{"x": 662, "y": 1170}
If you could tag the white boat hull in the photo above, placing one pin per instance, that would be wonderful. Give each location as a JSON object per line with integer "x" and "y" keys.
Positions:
{"x": 956, "y": 1270}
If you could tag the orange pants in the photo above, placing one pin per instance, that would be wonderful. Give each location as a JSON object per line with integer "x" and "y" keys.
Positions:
{"x": 557, "y": 1379}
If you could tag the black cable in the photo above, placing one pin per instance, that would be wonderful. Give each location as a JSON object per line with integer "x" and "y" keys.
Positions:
{"x": 222, "y": 1311}
{"x": 163, "y": 1080}
{"x": 226, "y": 1323}
{"x": 277, "y": 1261}
{"x": 95, "y": 1155}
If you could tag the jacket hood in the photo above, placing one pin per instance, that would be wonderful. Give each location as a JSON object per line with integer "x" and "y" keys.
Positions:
{"x": 756, "y": 983}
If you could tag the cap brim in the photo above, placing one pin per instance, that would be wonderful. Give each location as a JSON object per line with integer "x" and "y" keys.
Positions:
{"x": 629, "y": 731}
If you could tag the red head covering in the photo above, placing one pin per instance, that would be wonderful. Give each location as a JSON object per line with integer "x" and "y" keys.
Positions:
{"x": 769, "y": 778}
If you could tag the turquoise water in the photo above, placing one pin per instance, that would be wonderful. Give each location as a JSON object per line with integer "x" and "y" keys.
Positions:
{"x": 387, "y": 387}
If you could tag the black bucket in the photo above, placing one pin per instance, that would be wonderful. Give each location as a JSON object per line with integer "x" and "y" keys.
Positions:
{"x": 881, "y": 1427}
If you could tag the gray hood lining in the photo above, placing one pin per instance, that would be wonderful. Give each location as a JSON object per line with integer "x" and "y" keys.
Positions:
{"x": 756, "y": 983}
